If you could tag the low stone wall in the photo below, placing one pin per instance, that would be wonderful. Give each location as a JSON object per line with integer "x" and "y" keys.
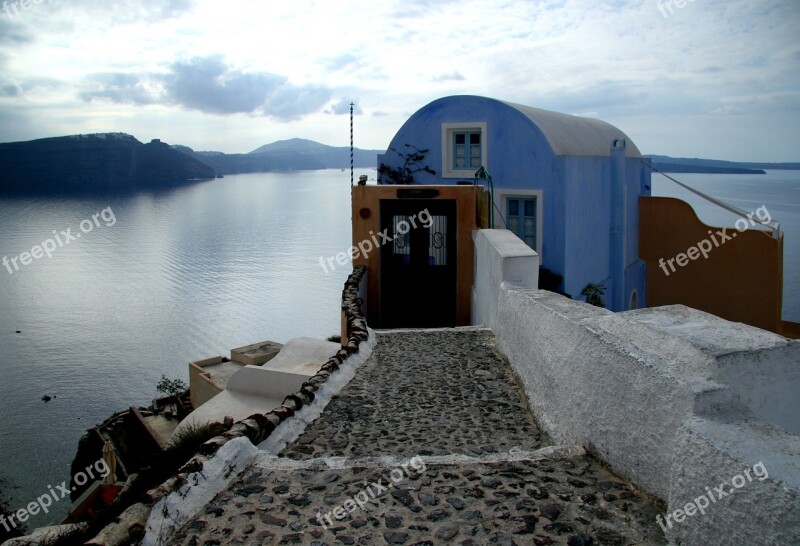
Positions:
{"x": 676, "y": 400}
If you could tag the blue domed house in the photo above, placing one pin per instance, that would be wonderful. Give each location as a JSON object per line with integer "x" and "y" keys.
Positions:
{"x": 568, "y": 186}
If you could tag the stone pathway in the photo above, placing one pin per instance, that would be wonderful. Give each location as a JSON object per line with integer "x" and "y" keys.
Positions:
{"x": 425, "y": 393}
{"x": 430, "y": 443}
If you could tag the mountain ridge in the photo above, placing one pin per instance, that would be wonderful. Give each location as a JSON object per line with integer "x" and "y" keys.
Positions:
{"x": 293, "y": 154}
{"x": 100, "y": 162}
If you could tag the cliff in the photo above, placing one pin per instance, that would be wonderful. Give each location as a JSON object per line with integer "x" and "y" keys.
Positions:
{"x": 106, "y": 162}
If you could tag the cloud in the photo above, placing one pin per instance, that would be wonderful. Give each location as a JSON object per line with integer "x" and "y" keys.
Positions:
{"x": 343, "y": 107}
{"x": 125, "y": 11}
{"x": 290, "y": 102}
{"x": 10, "y": 89}
{"x": 208, "y": 85}
{"x": 341, "y": 61}
{"x": 119, "y": 88}
{"x": 451, "y": 77}
{"x": 12, "y": 33}
{"x": 378, "y": 113}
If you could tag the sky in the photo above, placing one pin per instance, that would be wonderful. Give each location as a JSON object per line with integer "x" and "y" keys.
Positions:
{"x": 688, "y": 78}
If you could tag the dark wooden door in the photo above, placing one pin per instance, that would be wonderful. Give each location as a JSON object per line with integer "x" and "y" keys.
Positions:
{"x": 418, "y": 265}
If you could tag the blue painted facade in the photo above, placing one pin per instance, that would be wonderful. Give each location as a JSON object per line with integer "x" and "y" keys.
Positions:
{"x": 585, "y": 175}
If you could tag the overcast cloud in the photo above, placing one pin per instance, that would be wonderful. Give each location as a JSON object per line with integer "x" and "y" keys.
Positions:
{"x": 715, "y": 78}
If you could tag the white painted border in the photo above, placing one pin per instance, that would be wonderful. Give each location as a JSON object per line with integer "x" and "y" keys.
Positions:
{"x": 501, "y": 199}
{"x": 447, "y": 150}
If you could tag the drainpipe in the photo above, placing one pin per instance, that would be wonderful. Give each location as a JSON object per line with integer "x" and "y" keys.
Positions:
{"x": 618, "y": 224}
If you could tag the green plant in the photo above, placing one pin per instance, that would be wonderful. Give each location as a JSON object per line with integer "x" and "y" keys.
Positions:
{"x": 171, "y": 387}
{"x": 192, "y": 436}
{"x": 594, "y": 294}
{"x": 412, "y": 163}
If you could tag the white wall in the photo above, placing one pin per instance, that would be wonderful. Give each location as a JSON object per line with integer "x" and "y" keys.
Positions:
{"x": 506, "y": 260}
{"x": 666, "y": 396}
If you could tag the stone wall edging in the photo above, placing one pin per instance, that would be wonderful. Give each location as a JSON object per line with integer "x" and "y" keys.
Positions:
{"x": 257, "y": 427}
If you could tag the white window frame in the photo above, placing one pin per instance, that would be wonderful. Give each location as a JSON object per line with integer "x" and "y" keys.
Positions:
{"x": 501, "y": 197}
{"x": 448, "y": 130}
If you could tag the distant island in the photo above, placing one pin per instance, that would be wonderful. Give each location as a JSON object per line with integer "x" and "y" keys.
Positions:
{"x": 296, "y": 154}
{"x": 713, "y": 166}
{"x": 105, "y": 162}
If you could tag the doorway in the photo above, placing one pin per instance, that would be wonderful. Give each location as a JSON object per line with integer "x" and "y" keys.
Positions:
{"x": 418, "y": 263}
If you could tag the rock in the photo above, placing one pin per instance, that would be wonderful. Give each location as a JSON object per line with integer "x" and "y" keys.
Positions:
{"x": 538, "y": 493}
{"x": 550, "y": 511}
{"x": 300, "y": 500}
{"x": 438, "y": 515}
{"x": 395, "y": 537}
{"x": 529, "y": 524}
{"x": 248, "y": 490}
{"x": 447, "y": 532}
{"x": 269, "y": 519}
{"x": 559, "y": 528}
{"x": 458, "y": 504}
{"x": 403, "y": 497}
{"x": 427, "y": 500}
{"x": 580, "y": 540}
{"x": 393, "y": 520}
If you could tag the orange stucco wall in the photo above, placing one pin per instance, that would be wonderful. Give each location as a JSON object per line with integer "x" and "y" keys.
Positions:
{"x": 741, "y": 279}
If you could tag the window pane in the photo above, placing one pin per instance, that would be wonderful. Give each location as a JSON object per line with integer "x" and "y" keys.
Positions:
{"x": 530, "y": 207}
{"x": 513, "y": 224}
{"x": 460, "y": 162}
{"x": 437, "y": 241}
{"x": 475, "y": 151}
{"x": 460, "y": 151}
{"x": 513, "y": 207}
{"x": 475, "y": 162}
{"x": 401, "y": 227}
{"x": 475, "y": 138}
{"x": 461, "y": 138}
{"x": 530, "y": 226}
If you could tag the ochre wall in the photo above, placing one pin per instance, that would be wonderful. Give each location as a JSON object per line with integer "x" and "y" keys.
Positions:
{"x": 740, "y": 280}
{"x": 369, "y": 197}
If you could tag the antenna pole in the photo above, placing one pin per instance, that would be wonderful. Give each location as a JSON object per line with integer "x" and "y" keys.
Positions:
{"x": 351, "y": 143}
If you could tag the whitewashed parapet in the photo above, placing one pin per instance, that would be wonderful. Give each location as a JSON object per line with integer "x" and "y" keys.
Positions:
{"x": 674, "y": 399}
{"x": 504, "y": 258}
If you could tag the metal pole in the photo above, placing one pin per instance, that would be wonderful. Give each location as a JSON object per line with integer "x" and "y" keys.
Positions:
{"x": 351, "y": 143}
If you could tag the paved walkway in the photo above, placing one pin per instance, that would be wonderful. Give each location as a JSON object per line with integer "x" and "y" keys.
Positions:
{"x": 430, "y": 443}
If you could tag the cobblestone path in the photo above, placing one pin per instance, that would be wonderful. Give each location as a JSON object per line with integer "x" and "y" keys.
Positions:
{"x": 430, "y": 443}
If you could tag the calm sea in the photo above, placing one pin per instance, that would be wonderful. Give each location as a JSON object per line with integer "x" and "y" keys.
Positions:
{"x": 190, "y": 273}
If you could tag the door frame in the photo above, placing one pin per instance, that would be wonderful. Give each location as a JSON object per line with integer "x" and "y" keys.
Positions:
{"x": 365, "y": 214}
